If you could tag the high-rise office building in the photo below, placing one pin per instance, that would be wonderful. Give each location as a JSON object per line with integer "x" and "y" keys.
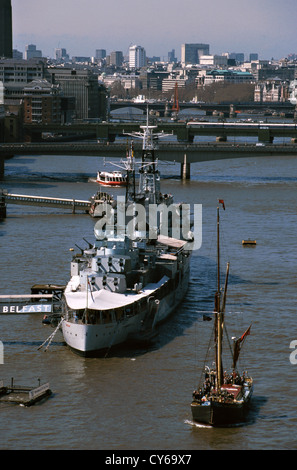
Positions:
{"x": 100, "y": 54}
{"x": 5, "y": 29}
{"x": 31, "y": 52}
{"x": 191, "y": 53}
{"x": 254, "y": 56}
{"x": 171, "y": 56}
{"x": 80, "y": 84}
{"x": 237, "y": 56}
{"x": 116, "y": 58}
{"x": 15, "y": 74}
{"x": 137, "y": 57}
{"x": 61, "y": 54}
{"x": 17, "y": 54}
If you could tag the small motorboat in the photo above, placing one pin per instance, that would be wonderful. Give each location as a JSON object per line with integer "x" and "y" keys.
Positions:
{"x": 52, "y": 319}
{"x": 249, "y": 242}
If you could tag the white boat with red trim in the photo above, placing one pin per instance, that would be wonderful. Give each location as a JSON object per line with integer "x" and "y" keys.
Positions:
{"x": 111, "y": 178}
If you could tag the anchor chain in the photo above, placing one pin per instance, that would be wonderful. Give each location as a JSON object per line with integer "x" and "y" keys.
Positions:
{"x": 50, "y": 338}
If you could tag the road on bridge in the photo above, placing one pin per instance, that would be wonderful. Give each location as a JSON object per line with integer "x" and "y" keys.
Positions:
{"x": 196, "y": 152}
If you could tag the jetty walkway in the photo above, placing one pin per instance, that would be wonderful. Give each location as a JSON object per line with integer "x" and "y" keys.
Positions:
{"x": 42, "y": 201}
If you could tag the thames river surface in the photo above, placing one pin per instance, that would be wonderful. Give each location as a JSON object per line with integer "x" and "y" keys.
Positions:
{"x": 140, "y": 399}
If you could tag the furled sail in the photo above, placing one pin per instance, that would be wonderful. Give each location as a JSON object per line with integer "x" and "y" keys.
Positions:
{"x": 238, "y": 344}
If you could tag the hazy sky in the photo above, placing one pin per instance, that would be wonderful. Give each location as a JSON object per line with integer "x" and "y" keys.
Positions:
{"x": 267, "y": 27}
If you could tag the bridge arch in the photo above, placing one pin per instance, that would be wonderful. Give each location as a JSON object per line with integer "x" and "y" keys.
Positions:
{"x": 129, "y": 111}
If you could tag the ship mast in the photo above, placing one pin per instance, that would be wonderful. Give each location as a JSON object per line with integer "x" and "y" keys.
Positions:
{"x": 219, "y": 311}
{"x": 149, "y": 181}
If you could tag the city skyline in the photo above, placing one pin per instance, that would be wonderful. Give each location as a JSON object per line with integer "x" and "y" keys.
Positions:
{"x": 266, "y": 27}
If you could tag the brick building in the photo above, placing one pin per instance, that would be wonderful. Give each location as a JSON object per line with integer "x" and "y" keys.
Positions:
{"x": 42, "y": 103}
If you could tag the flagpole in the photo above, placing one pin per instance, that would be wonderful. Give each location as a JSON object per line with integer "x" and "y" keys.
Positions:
{"x": 87, "y": 292}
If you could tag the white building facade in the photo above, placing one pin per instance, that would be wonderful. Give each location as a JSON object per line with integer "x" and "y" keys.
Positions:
{"x": 127, "y": 81}
{"x": 137, "y": 57}
{"x": 293, "y": 92}
{"x": 214, "y": 60}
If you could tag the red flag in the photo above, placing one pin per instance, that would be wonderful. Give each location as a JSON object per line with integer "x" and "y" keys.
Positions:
{"x": 221, "y": 201}
{"x": 237, "y": 346}
{"x": 246, "y": 333}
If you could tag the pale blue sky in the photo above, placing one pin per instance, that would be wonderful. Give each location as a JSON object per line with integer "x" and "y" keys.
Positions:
{"x": 82, "y": 26}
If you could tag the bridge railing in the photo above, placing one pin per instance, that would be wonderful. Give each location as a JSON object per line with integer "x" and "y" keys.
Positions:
{"x": 45, "y": 201}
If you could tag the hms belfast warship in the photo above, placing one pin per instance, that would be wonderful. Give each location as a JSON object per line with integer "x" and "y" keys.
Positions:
{"x": 124, "y": 285}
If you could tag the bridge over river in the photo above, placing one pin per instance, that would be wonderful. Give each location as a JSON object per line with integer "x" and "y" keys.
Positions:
{"x": 184, "y": 145}
{"x": 183, "y": 153}
{"x": 163, "y": 107}
{"x": 183, "y": 131}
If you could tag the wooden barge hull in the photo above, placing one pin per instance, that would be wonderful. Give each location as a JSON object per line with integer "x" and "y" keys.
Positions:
{"x": 219, "y": 414}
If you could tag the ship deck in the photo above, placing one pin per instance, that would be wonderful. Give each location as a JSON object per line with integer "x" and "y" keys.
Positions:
{"x": 232, "y": 389}
{"x": 110, "y": 300}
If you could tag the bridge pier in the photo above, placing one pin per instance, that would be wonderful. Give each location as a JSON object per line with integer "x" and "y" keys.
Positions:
{"x": 185, "y": 169}
{"x": 232, "y": 111}
{"x": 2, "y": 205}
{"x": 264, "y": 134}
{"x": 2, "y": 159}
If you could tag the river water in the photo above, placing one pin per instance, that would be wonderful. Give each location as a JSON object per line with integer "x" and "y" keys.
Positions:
{"x": 140, "y": 399}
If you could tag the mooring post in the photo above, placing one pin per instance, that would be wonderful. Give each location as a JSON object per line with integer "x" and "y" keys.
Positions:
{"x": 1, "y": 354}
{"x": 185, "y": 170}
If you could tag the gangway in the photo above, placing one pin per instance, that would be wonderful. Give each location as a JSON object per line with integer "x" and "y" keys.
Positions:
{"x": 44, "y": 298}
{"x": 42, "y": 201}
